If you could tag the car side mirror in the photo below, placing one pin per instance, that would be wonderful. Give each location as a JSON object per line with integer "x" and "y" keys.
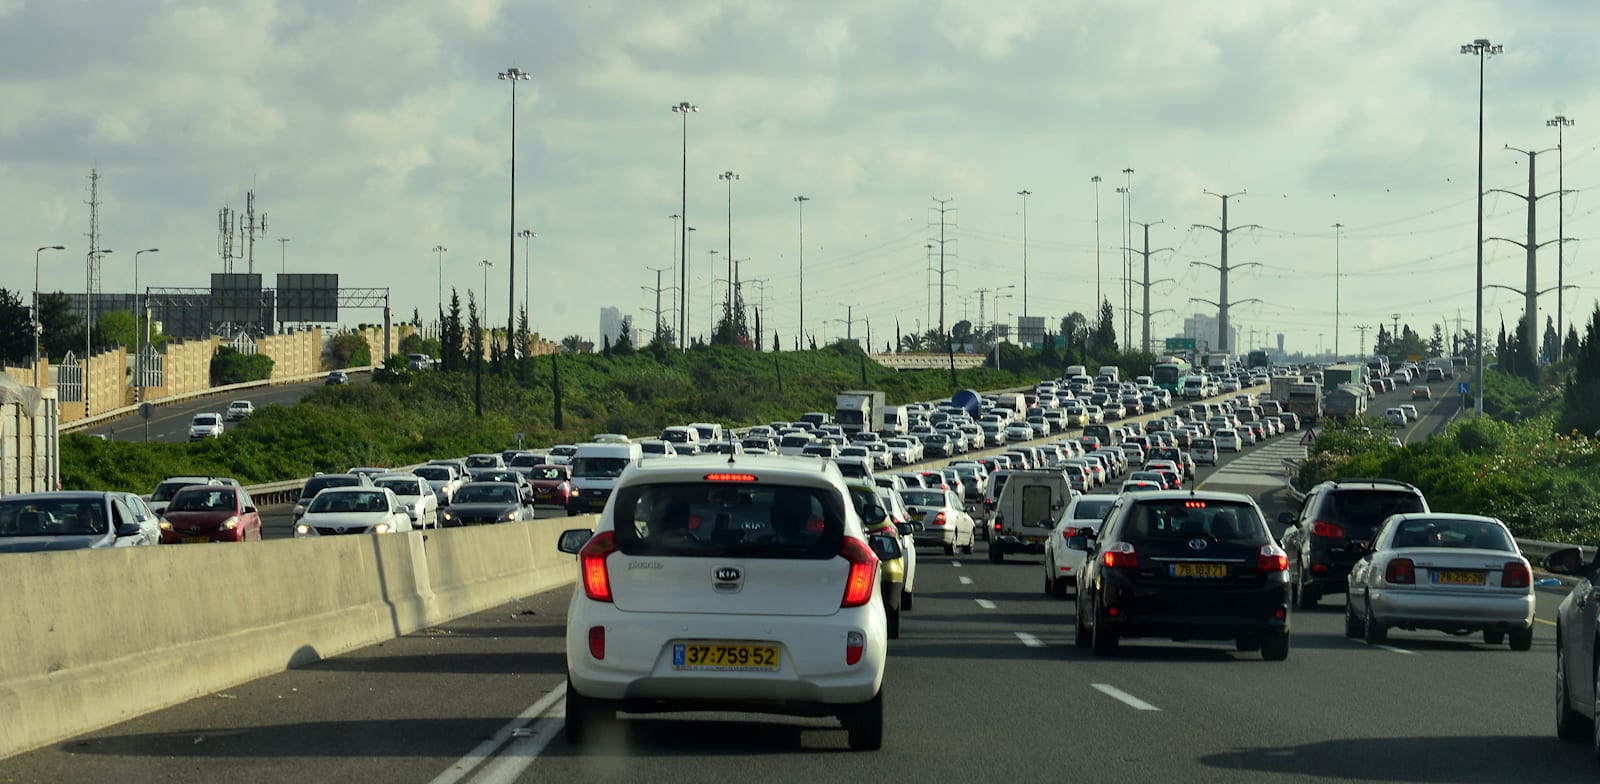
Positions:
{"x": 1360, "y": 548}
{"x": 1287, "y": 518}
{"x": 250, "y": 510}
{"x": 128, "y": 529}
{"x": 873, "y": 512}
{"x": 1081, "y": 543}
{"x": 1568, "y": 561}
{"x": 887, "y": 548}
{"x": 573, "y": 540}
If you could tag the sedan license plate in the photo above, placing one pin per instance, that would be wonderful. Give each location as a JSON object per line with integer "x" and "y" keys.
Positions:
{"x": 544, "y": 496}
{"x": 197, "y": 540}
{"x": 724, "y": 657}
{"x": 1034, "y": 539}
{"x": 1458, "y": 577}
{"x": 1207, "y": 570}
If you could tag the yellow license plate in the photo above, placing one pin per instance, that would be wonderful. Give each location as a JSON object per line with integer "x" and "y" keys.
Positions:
{"x": 1034, "y": 539}
{"x": 1209, "y": 570}
{"x": 197, "y": 540}
{"x": 1459, "y": 577}
{"x": 725, "y": 657}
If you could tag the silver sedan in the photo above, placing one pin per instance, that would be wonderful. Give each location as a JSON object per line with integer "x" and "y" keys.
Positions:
{"x": 1454, "y": 573}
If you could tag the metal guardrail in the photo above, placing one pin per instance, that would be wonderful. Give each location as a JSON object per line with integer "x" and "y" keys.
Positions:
{"x": 79, "y": 424}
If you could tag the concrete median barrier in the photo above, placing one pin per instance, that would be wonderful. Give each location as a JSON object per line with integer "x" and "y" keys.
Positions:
{"x": 103, "y": 636}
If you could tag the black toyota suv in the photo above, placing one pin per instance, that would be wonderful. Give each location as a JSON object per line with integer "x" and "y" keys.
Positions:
{"x": 1333, "y": 529}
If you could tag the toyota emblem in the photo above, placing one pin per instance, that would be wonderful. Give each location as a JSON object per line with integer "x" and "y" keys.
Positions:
{"x": 1197, "y": 543}
{"x": 728, "y": 574}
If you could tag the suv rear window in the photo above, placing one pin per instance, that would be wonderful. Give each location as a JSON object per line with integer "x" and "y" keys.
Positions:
{"x": 1369, "y": 506}
{"x": 718, "y": 520}
{"x": 1182, "y": 518}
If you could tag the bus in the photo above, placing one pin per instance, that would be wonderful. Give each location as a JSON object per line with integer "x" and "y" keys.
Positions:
{"x": 1168, "y": 374}
{"x": 1257, "y": 359}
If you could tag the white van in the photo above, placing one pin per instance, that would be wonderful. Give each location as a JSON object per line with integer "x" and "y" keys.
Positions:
{"x": 1111, "y": 372}
{"x": 595, "y": 470}
{"x": 896, "y": 421}
{"x": 1030, "y": 502}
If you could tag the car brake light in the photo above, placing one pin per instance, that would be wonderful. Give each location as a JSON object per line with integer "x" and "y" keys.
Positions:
{"x": 939, "y": 519}
{"x": 854, "y": 644}
{"x": 592, "y": 560}
{"x": 1515, "y": 575}
{"x": 1068, "y": 532}
{"x": 862, "y": 580}
{"x": 597, "y": 642}
{"x": 1401, "y": 571}
{"x": 1120, "y": 555}
{"x": 1272, "y": 559}
{"x": 1330, "y": 530}
{"x": 730, "y": 477}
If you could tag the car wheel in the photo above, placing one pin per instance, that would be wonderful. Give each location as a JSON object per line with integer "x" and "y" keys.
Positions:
{"x": 1058, "y": 587}
{"x": 1493, "y": 637}
{"x": 905, "y": 601}
{"x": 1308, "y": 597}
{"x": 1247, "y": 644}
{"x": 894, "y": 622}
{"x": 1080, "y": 635}
{"x": 864, "y": 724}
{"x": 1352, "y": 627}
{"x": 950, "y": 549}
{"x": 1374, "y": 632}
{"x": 1275, "y": 645}
{"x": 1570, "y": 724}
{"x": 1521, "y": 639}
{"x": 996, "y": 555}
{"x": 585, "y": 716}
{"x": 1103, "y": 638}
{"x": 1049, "y": 586}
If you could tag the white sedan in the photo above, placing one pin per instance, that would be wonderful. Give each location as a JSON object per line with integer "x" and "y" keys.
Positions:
{"x": 353, "y": 510}
{"x": 1061, "y": 564}
{"x": 945, "y": 523}
{"x": 415, "y": 494}
{"x": 1448, "y": 572}
{"x": 1227, "y": 438}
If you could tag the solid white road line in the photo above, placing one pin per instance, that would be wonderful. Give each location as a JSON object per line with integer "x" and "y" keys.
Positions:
{"x": 517, "y": 757}
{"x": 985, "y": 604}
{"x": 1029, "y": 640}
{"x": 1123, "y": 697}
{"x": 1392, "y": 649}
{"x": 487, "y": 748}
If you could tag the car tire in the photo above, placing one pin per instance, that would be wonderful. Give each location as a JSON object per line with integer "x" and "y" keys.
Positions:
{"x": 1570, "y": 724}
{"x": 950, "y": 549}
{"x": 996, "y": 555}
{"x": 893, "y": 614}
{"x": 864, "y": 724}
{"x": 585, "y": 715}
{"x": 1275, "y": 645}
{"x": 1104, "y": 640}
{"x": 1493, "y": 637}
{"x": 1307, "y": 597}
{"x": 1080, "y": 635}
{"x": 905, "y": 602}
{"x": 1521, "y": 639}
{"x": 1373, "y": 631}
{"x": 1058, "y": 587}
{"x": 1352, "y": 627}
{"x": 1247, "y": 644}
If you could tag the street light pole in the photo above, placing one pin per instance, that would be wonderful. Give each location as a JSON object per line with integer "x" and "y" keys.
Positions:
{"x": 1337, "y": 228}
{"x": 801, "y": 201}
{"x": 730, "y": 177}
{"x": 139, "y": 336}
{"x": 512, "y": 75}
{"x": 684, "y": 107}
{"x": 1096, "y": 180}
{"x": 1024, "y": 193}
{"x": 440, "y": 249}
{"x": 37, "y": 325}
{"x": 88, "y": 331}
{"x": 483, "y": 316}
{"x": 527, "y": 272}
{"x": 1482, "y": 49}
{"x": 1560, "y": 122}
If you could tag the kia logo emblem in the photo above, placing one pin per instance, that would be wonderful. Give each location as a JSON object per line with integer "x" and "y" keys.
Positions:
{"x": 1197, "y": 543}
{"x": 728, "y": 574}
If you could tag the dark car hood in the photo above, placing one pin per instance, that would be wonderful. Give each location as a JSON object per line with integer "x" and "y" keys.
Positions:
{"x": 37, "y": 544}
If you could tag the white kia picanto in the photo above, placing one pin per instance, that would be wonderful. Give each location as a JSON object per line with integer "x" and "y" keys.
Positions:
{"x": 728, "y": 584}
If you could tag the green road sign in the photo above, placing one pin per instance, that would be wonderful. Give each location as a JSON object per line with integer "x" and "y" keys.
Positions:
{"x": 1180, "y": 344}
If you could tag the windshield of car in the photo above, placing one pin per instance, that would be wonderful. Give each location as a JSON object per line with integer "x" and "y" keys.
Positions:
{"x": 599, "y": 467}
{"x": 166, "y": 490}
{"x": 795, "y": 440}
{"x": 1233, "y": 522}
{"x": 723, "y": 519}
{"x": 51, "y": 517}
{"x": 483, "y": 461}
{"x": 497, "y": 475}
{"x": 1437, "y": 532}
{"x": 551, "y": 473}
{"x": 205, "y": 420}
{"x": 353, "y": 501}
{"x": 317, "y": 484}
{"x": 196, "y": 499}
{"x": 675, "y": 436}
{"x": 523, "y": 461}
{"x": 486, "y": 494}
{"x": 563, "y": 451}
{"x": 400, "y": 486}
{"x": 433, "y": 473}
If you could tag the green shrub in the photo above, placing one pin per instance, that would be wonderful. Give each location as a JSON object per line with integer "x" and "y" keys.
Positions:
{"x": 228, "y": 366}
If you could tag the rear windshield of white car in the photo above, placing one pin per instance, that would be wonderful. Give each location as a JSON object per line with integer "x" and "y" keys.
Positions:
{"x": 922, "y": 497}
{"x": 400, "y": 486}
{"x": 1092, "y": 508}
{"x": 718, "y": 519}
{"x": 433, "y": 473}
{"x": 349, "y": 502}
{"x": 1476, "y": 534}
{"x": 483, "y": 461}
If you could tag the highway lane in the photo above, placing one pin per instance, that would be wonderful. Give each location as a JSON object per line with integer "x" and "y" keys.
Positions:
{"x": 170, "y": 423}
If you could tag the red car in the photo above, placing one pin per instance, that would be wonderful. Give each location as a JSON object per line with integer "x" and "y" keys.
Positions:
{"x": 210, "y": 513}
{"x": 552, "y": 484}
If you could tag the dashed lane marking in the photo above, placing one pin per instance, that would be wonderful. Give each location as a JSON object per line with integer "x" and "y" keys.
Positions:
{"x": 1029, "y": 640}
{"x": 956, "y": 564}
{"x": 1123, "y": 697}
{"x": 985, "y": 604}
{"x": 965, "y": 580}
{"x": 1392, "y": 649}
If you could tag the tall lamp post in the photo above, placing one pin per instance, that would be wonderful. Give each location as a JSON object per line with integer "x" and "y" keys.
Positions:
{"x": 88, "y": 331}
{"x": 139, "y": 340}
{"x": 1560, "y": 122}
{"x": 1481, "y": 49}
{"x": 440, "y": 249}
{"x": 684, "y": 108}
{"x": 512, "y": 75}
{"x": 36, "y": 324}
{"x": 801, "y": 201}
{"x": 1337, "y": 228}
{"x": 1096, "y": 180}
{"x": 1024, "y": 194}
{"x": 483, "y": 318}
{"x": 730, "y": 177}
{"x": 527, "y": 235}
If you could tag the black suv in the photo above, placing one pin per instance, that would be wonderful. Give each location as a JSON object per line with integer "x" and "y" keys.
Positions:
{"x": 1336, "y": 523}
{"x": 1184, "y": 565}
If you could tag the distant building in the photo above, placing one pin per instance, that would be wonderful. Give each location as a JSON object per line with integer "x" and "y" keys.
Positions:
{"x": 1203, "y": 330}
{"x": 613, "y": 324}
{"x": 1280, "y": 345}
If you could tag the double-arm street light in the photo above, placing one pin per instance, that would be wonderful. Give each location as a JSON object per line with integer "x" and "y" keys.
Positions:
{"x": 1482, "y": 49}
{"x": 684, "y": 108}
{"x": 139, "y": 340}
{"x": 512, "y": 75}
{"x": 527, "y": 271}
{"x": 36, "y": 323}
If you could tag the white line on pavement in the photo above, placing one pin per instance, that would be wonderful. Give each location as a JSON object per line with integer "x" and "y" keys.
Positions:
{"x": 1029, "y": 640}
{"x": 985, "y": 604}
{"x": 487, "y": 748}
{"x": 965, "y": 580}
{"x": 520, "y": 754}
{"x": 1392, "y": 649}
{"x": 1123, "y": 697}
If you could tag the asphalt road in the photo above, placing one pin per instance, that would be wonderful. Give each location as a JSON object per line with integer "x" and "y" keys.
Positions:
{"x": 983, "y": 685}
{"x": 171, "y": 423}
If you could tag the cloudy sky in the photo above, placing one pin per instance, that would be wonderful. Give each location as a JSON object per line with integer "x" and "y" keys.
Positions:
{"x": 374, "y": 131}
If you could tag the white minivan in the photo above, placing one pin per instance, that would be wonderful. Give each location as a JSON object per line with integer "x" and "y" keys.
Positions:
{"x": 595, "y": 470}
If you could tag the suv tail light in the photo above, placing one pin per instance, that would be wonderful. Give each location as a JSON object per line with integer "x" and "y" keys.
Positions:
{"x": 862, "y": 581}
{"x": 592, "y": 560}
{"x": 1272, "y": 559}
{"x": 1401, "y": 571}
{"x": 1515, "y": 575}
{"x": 1069, "y": 532}
{"x": 1120, "y": 555}
{"x": 1330, "y": 530}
